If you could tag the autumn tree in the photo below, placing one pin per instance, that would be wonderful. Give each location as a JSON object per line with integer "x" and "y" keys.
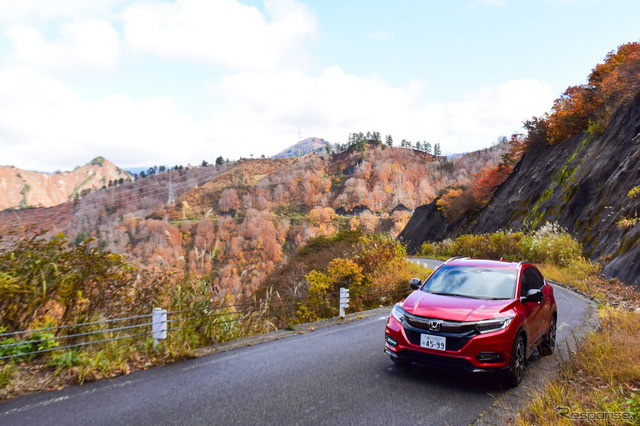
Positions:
{"x": 610, "y": 84}
{"x": 400, "y": 219}
{"x": 322, "y": 218}
{"x": 456, "y": 203}
{"x": 368, "y": 221}
{"x": 228, "y": 200}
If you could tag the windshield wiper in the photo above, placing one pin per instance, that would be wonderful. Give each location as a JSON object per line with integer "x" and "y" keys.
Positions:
{"x": 456, "y": 295}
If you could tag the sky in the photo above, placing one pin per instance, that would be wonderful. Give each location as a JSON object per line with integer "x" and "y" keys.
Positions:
{"x": 176, "y": 82}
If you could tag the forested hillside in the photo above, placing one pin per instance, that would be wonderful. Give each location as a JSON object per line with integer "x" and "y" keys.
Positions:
{"x": 232, "y": 224}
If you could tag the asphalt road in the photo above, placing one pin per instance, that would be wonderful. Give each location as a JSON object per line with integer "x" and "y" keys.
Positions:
{"x": 335, "y": 375}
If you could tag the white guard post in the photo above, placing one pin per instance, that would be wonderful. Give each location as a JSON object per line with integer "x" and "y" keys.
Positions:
{"x": 344, "y": 300}
{"x": 159, "y": 325}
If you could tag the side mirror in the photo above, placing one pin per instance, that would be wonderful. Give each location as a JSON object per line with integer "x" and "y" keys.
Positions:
{"x": 534, "y": 295}
{"x": 415, "y": 283}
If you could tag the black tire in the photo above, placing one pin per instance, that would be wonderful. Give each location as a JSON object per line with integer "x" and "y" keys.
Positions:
{"x": 549, "y": 343}
{"x": 518, "y": 360}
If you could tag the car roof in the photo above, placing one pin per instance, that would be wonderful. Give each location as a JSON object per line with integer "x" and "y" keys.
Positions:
{"x": 486, "y": 263}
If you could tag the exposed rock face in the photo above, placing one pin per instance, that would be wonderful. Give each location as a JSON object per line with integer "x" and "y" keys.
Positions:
{"x": 25, "y": 188}
{"x": 582, "y": 183}
{"x": 426, "y": 224}
{"x": 303, "y": 147}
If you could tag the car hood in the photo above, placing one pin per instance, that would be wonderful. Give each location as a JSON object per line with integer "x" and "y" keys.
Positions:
{"x": 454, "y": 308}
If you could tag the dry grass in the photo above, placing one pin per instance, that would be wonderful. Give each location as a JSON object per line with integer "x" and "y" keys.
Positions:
{"x": 600, "y": 383}
{"x": 602, "y": 377}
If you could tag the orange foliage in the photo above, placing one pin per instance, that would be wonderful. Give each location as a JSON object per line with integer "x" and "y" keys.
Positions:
{"x": 610, "y": 84}
{"x": 455, "y": 203}
{"x": 400, "y": 219}
{"x": 489, "y": 178}
{"x": 572, "y": 112}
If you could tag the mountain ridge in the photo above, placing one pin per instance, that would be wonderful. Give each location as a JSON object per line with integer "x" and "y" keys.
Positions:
{"x": 21, "y": 189}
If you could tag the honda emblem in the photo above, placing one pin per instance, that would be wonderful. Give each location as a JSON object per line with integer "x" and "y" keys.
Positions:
{"x": 435, "y": 325}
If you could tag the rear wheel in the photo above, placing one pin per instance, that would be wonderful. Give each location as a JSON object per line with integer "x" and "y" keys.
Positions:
{"x": 549, "y": 343}
{"x": 518, "y": 359}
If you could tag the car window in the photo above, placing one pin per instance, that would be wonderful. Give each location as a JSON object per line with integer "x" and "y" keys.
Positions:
{"x": 472, "y": 281}
{"x": 531, "y": 279}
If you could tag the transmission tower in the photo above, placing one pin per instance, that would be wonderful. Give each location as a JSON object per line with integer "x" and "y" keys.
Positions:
{"x": 299, "y": 142}
{"x": 172, "y": 198}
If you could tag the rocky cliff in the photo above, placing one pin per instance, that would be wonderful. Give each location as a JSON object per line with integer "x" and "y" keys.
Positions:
{"x": 21, "y": 189}
{"x": 583, "y": 183}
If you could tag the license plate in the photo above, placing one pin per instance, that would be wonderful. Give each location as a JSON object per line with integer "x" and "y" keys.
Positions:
{"x": 438, "y": 343}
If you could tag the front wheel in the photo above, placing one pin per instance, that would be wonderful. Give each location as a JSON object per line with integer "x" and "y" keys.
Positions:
{"x": 549, "y": 343}
{"x": 518, "y": 359}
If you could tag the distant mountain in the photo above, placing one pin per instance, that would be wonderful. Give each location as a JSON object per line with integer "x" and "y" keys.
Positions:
{"x": 21, "y": 189}
{"x": 303, "y": 147}
{"x": 458, "y": 155}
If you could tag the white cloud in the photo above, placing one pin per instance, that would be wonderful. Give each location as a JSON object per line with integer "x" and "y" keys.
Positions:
{"x": 256, "y": 108}
{"x": 46, "y": 125}
{"x": 23, "y": 11}
{"x": 88, "y": 44}
{"x": 221, "y": 32}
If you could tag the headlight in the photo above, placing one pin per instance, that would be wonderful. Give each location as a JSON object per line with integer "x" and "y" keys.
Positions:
{"x": 487, "y": 326}
{"x": 397, "y": 312}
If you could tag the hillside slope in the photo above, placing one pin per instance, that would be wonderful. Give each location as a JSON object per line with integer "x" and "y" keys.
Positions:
{"x": 232, "y": 224}
{"x": 303, "y": 147}
{"x": 25, "y": 188}
{"x": 582, "y": 183}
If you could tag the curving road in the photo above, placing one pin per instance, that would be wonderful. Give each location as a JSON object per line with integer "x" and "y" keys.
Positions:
{"x": 335, "y": 375}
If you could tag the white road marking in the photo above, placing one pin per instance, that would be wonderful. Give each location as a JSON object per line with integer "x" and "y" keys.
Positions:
{"x": 563, "y": 325}
{"x": 63, "y": 398}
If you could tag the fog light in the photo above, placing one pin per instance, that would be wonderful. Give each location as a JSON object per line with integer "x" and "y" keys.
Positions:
{"x": 390, "y": 340}
{"x": 489, "y": 357}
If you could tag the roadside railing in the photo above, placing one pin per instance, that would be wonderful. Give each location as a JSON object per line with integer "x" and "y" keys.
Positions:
{"x": 157, "y": 325}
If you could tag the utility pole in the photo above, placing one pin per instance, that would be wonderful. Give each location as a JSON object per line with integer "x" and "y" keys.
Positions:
{"x": 171, "y": 199}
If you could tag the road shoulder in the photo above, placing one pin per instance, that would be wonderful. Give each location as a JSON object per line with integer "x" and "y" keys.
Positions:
{"x": 541, "y": 371}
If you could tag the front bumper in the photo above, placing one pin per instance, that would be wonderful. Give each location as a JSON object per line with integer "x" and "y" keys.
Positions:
{"x": 463, "y": 356}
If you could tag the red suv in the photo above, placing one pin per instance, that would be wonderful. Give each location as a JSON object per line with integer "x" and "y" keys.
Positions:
{"x": 481, "y": 315}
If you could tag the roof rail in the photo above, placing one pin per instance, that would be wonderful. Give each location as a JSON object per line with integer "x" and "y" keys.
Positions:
{"x": 456, "y": 257}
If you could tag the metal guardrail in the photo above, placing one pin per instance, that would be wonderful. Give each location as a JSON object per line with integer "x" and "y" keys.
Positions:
{"x": 158, "y": 327}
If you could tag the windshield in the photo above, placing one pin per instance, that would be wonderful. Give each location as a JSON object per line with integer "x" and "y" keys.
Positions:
{"x": 472, "y": 281}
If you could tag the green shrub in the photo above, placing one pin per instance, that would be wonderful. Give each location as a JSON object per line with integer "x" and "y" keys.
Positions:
{"x": 549, "y": 244}
{"x": 7, "y": 371}
{"x": 38, "y": 341}
{"x": 38, "y": 273}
